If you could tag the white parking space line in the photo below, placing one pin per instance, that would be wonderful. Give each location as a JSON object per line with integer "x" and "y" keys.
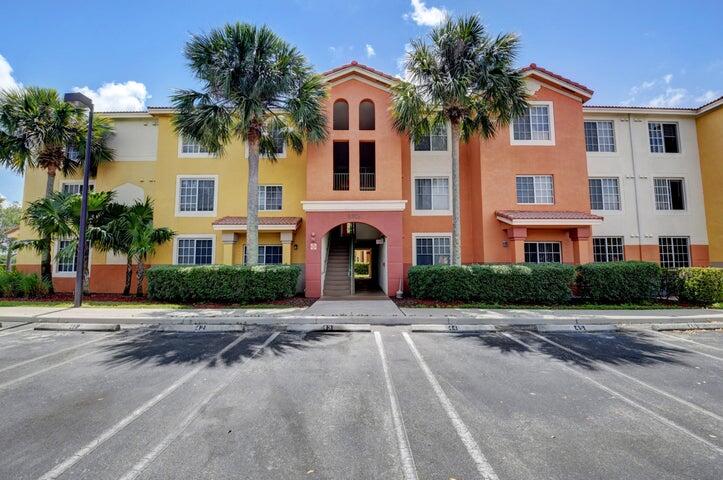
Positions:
{"x": 688, "y": 404}
{"x": 139, "y": 467}
{"x": 483, "y": 466}
{"x": 109, "y": 433}
{"x": 18, "y": 329}
{"x": 405, "y": 453}
{"x": 43, "y": 370}
{"x": 625, "y": 399}
{"x": 51, "y": 354}
{"x": 688, "y": 349}
{"x": 688, "y": 340}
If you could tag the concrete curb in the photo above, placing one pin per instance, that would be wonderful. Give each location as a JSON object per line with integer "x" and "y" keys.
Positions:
{"x": 328, "y": 327}
{"x": 453, "y": 328}
{"x": 687, "y": 326}
{"x": 579, "y": 328}
{"x": 78, "y": 327}
{"x": 201, "y": 328}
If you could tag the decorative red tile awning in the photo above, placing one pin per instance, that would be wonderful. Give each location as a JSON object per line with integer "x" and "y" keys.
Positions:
{"x": 547, "y": 217}
{"x": 265, "y": 223}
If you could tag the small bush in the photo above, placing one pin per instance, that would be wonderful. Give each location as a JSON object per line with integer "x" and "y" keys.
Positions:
{"x": 361, "y": 268}
{"x": 701, "y": 285}
{"x": 17, "y": 284}
{"x": 222, "y": 283}
{"x": 619, "y": 282}
{"x": 670, "y": 283}
{"x": 543, "y": 284}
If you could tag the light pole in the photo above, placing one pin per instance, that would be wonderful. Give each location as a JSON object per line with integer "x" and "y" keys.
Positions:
{"x": 80, "y": 100}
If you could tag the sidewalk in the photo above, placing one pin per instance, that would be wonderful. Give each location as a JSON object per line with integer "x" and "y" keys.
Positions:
{"x": 368, "y": 312}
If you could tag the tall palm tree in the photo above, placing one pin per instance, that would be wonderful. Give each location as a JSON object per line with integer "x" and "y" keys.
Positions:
{"x": 255, "y": 88}
{"x": 463, "y": 77}
{"x": 39, "y": 130}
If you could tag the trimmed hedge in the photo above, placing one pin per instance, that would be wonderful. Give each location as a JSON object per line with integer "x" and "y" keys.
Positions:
{"x": 619, "y": 282}
{"x": 17, "y": 284}
{"x": 222, "y": 283}
{"x": 701, "y": 285}
{"x": 543, "y": 284}
{"x": 362, "y": 268}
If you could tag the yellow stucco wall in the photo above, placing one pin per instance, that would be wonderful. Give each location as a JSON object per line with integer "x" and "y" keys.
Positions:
{"x": 710, "y": 143}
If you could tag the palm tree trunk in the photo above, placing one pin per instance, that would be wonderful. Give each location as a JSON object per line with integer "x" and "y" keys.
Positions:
{"x": 9, "y": 255}
{"x": 86, "y": 270}
{"x": 252, "y": 202}
{"x": 456, "y": 218}
{"x": 140, "y": 274}
{"x": 46, "y": 265}
{"x": 129, "y": 275}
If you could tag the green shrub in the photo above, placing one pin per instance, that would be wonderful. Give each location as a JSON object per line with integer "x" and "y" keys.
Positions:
{"x": 542, "y": 284}
{"x": 361, "y": 268}
{"x": 701, "y": 285}
{"x": 16, "y": 284}
{"x": 222, "y": 283}
{"x": 670, "y": 283}
{"x": 619, "y": 282}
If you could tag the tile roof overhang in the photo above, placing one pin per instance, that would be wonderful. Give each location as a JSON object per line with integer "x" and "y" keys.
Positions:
{"x": 273, "y": 224}
{"x": 570, "y": 86}
{"x": 547, "y": 218}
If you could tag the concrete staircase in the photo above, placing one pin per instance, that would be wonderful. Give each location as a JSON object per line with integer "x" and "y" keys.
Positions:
{"x": 337, "y": 282}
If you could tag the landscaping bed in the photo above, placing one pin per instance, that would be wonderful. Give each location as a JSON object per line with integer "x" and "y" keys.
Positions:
{"x": 573, "y": 304}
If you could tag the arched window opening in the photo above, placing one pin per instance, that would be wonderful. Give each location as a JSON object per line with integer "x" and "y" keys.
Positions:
{"x": 341, "y": 115}
{"x": 366, "y": 115}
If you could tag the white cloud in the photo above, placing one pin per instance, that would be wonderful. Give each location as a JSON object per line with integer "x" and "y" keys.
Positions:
{"x": 668, "y": 78}
{"x": 7, "y": 82}
{"x": 128, "y": 96}
{"x": 370, "y": 50}
{"x": 671, "y": 97}
{"x": 401, "y": 61}
{"x": 426, "y": 16}
{"x": 708, "y": 96}
{"x": 661, "y": 92}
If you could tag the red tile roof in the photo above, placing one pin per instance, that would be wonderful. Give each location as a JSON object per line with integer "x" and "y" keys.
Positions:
{"x": 546, "y": 215}
{"x": 534, "y": 66}
{"x": 641, "y": 107}
{"x": 354, "y": 63}
{"x": 262, "y": 221}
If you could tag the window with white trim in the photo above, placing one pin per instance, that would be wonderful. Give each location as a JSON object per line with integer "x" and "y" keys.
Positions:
{"x": 608, "y": 249}
{"x": 674, "y": 252}
{"x": 604, "y": 194}
{"x": 279, "y": 144}
{"x": 268, "y": 255}
{"x": 436, "y": 141}
{"x": 195, "y": 251}
{"x": 663, "y": 137}
{"x": 65, "y": 261}
{"x": 192, "y": 147}
{"x": 535, "y": 189}
{"x": 534, "y": 124}
{"x": 433, "y": 250}
{"x": 669, "y": 194}
{"x": 196, "y": 195}
{"x": 270, "y": 197}
{"x": 599, "y": 136}
{"x": 75, "y": 188}
{"x": 431, "y": 193}
{"x": 542, "y": 252}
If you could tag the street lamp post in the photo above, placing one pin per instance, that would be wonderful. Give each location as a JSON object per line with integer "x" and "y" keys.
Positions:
{"x": 80, "y": 100}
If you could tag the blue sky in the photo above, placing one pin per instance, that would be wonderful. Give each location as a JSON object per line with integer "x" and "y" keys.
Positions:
{"x": 129, "y": 54}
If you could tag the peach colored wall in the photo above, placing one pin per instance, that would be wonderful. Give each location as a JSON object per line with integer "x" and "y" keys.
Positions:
{"x": 103, "y": 278}
{"x": 320, "y": 164}
{"x": 650, "y": 253}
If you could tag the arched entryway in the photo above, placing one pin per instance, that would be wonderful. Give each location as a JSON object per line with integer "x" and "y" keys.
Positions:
{"x": 336, "y": 239}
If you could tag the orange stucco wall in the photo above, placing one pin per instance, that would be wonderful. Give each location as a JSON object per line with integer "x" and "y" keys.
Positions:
{"x": 699, "y": 254}
{"x": 103, "y": 278}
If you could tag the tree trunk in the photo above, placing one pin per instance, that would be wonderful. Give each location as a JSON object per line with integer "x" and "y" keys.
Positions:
{"x": 252, "y": 202}
{"x": 9, "y": 255}
{"x": 140, "y": 274}
{"x": 46, "y": 262}
{"x": 129, "y": 275}
{"x": 456, "y": 218}
{"x": 86, "y": 270}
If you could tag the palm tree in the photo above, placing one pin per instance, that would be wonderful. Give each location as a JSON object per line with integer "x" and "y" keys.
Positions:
{"x": 255, "y": 88}
{"x": 39, "y": 130}
{"x": 465, "y": 78}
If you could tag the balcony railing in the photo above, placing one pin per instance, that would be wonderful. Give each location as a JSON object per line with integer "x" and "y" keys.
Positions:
{"x": 367, "y": 181}
{"x": 341, "y": 181}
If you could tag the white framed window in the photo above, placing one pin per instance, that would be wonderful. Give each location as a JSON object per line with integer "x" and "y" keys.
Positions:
{"x": 432, "y": 249}
{"x": 64, "y": 264}
{"x": 431, "y": 194}
{"x": 604, "y": 194}
{"x": 663, "y": 137}
{"x": 436, "y": 141}
{"x": 194, "y": 250}
{"x": 543, "y": 252}
{"x": 608, "y": 249}
{"x": 196, "y": 195}
{"x": 669, "y": 193}
{"x": 535, "y": 127}
{"x": 674, "y": 252}
{"x": 535, "y": 189}
{"x": 279, "y": 146}
{"x": 599, "y": 136}
{"x": 270, "y": 197}
{"x": 75, "y": 187}
{"x": 188, "y": 148}
{"x": 268, "y": 255}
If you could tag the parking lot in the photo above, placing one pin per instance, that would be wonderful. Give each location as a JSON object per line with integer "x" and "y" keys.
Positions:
{"x": 386, "y": 404}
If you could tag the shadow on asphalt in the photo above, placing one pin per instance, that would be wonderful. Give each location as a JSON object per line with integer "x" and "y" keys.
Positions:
{"x": 611, "y": 349}
{"x": 159, "y": 349}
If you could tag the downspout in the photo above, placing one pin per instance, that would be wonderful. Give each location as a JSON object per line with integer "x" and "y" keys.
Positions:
{"x": 635, "y": 187}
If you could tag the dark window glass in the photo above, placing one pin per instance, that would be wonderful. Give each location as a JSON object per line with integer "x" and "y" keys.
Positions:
{"x": 366, "y": 115}
{"x": 670, "y": 137}
{"x": 341, "y": 115}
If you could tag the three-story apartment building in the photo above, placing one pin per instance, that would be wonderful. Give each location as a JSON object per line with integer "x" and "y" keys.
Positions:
{"x": 564, "y": 183}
